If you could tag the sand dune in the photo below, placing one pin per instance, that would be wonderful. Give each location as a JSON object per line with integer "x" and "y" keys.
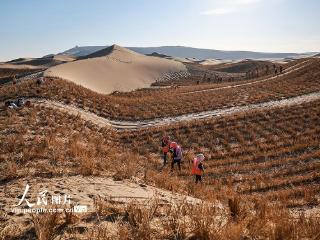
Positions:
{"x": 64, "y": 58}
{"x": 178, "y": 59}
{"x": 214, "y": 61}
{"x": 116, "y": 69}
{"x": 37, "y": 63}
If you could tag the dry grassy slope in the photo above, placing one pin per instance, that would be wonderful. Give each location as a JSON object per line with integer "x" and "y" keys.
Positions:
{"x": 273, "y": 154}
{"x": 255, "y": 158}
{"x": 136, "y": 125}
{"x": 64, "y": 154}
{"x": 242, "y": 67}
{"x": 258, "y": 158}
{"x": 10, "y": 72}
{"x": 43, "y": 142}
{"x": 236, "y": 147}
{"x": 288, "y": 71}
{"x": 155, "y": 103}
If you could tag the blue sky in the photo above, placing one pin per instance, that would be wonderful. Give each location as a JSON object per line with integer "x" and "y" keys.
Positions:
{"x": 34, "y": 28}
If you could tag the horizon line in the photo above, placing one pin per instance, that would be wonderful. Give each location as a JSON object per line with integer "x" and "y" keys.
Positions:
{"x": 159, "y": 46}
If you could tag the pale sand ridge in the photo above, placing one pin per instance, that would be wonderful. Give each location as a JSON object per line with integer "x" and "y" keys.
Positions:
{"x": 116, "y": 69}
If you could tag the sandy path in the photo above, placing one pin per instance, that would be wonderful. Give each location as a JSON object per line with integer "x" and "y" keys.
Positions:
{"x": 83, "y": 190}
{"x": 31, "y": 76}
{"x": 286, "y": 72}
{"x": 136, "y": 125}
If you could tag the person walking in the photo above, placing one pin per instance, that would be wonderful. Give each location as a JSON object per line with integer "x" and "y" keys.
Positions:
{"x": 275, "y": 70}
{"x": 197, "y": 167}
{"x": 249, "y": 74}
{"x": 176, "y": 151}
{"x": 14, "y": 80}
{"x": 165, "y": 144}
{"x": 267, "y": 69}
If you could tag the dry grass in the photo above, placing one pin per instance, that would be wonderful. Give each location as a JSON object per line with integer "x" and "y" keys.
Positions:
{"x": 154, "y": 220}
{"x": 37, "y": 141}
{"x": 274, "y": 154}
{"x": 45, "y": 225}
{"x": 246, "y": 217}
{"x": 259, "y": 165}
{"x": 148, "y": 104}
{"x": 11, "y": 72}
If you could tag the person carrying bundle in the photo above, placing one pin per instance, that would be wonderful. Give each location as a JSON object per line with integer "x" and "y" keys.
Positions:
{"x": 197, "y": 168}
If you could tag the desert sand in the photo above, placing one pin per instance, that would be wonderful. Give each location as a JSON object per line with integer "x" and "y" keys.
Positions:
{"x": 116, "y": 69}
{"x": 37, "y": 63}
{"x": 214, "y": 61}
{"x": 85, "y": 191}
{"x": 64, "y": 58}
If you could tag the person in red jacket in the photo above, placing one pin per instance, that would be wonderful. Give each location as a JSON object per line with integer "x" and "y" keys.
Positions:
{"x": 165, "y": 144}
{"x": 197, "y": 167}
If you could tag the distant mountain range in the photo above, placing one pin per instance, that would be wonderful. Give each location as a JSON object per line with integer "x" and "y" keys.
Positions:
{"x": 188, "y": 52}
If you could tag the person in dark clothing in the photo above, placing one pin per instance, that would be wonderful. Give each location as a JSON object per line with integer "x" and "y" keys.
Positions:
{"x": 281, "y": 69}
{"x": 176, "y": 161}
{"x": 267, "y": 69}
{"x": 204, "y": 77}
{"x": 20, "y": 102}
{"x": 249, "y": 74}
{"x": 176, "y": 151}
{"x": 275, "y": 69}
{"x": 40, "y": 81}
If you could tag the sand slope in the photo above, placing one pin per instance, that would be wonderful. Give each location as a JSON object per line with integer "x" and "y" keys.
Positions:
{"x": 116, "y": 69}
{"x": 215, "y": 61}
{"x": 82, "y": 191}
{"x": 37, "y": 63}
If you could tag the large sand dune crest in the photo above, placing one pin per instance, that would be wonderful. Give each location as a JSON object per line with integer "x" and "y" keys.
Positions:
{"x": 116, "y": 69}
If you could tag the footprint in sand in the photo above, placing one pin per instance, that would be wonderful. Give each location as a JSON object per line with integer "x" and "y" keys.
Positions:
{"x": 90, "y": 196}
